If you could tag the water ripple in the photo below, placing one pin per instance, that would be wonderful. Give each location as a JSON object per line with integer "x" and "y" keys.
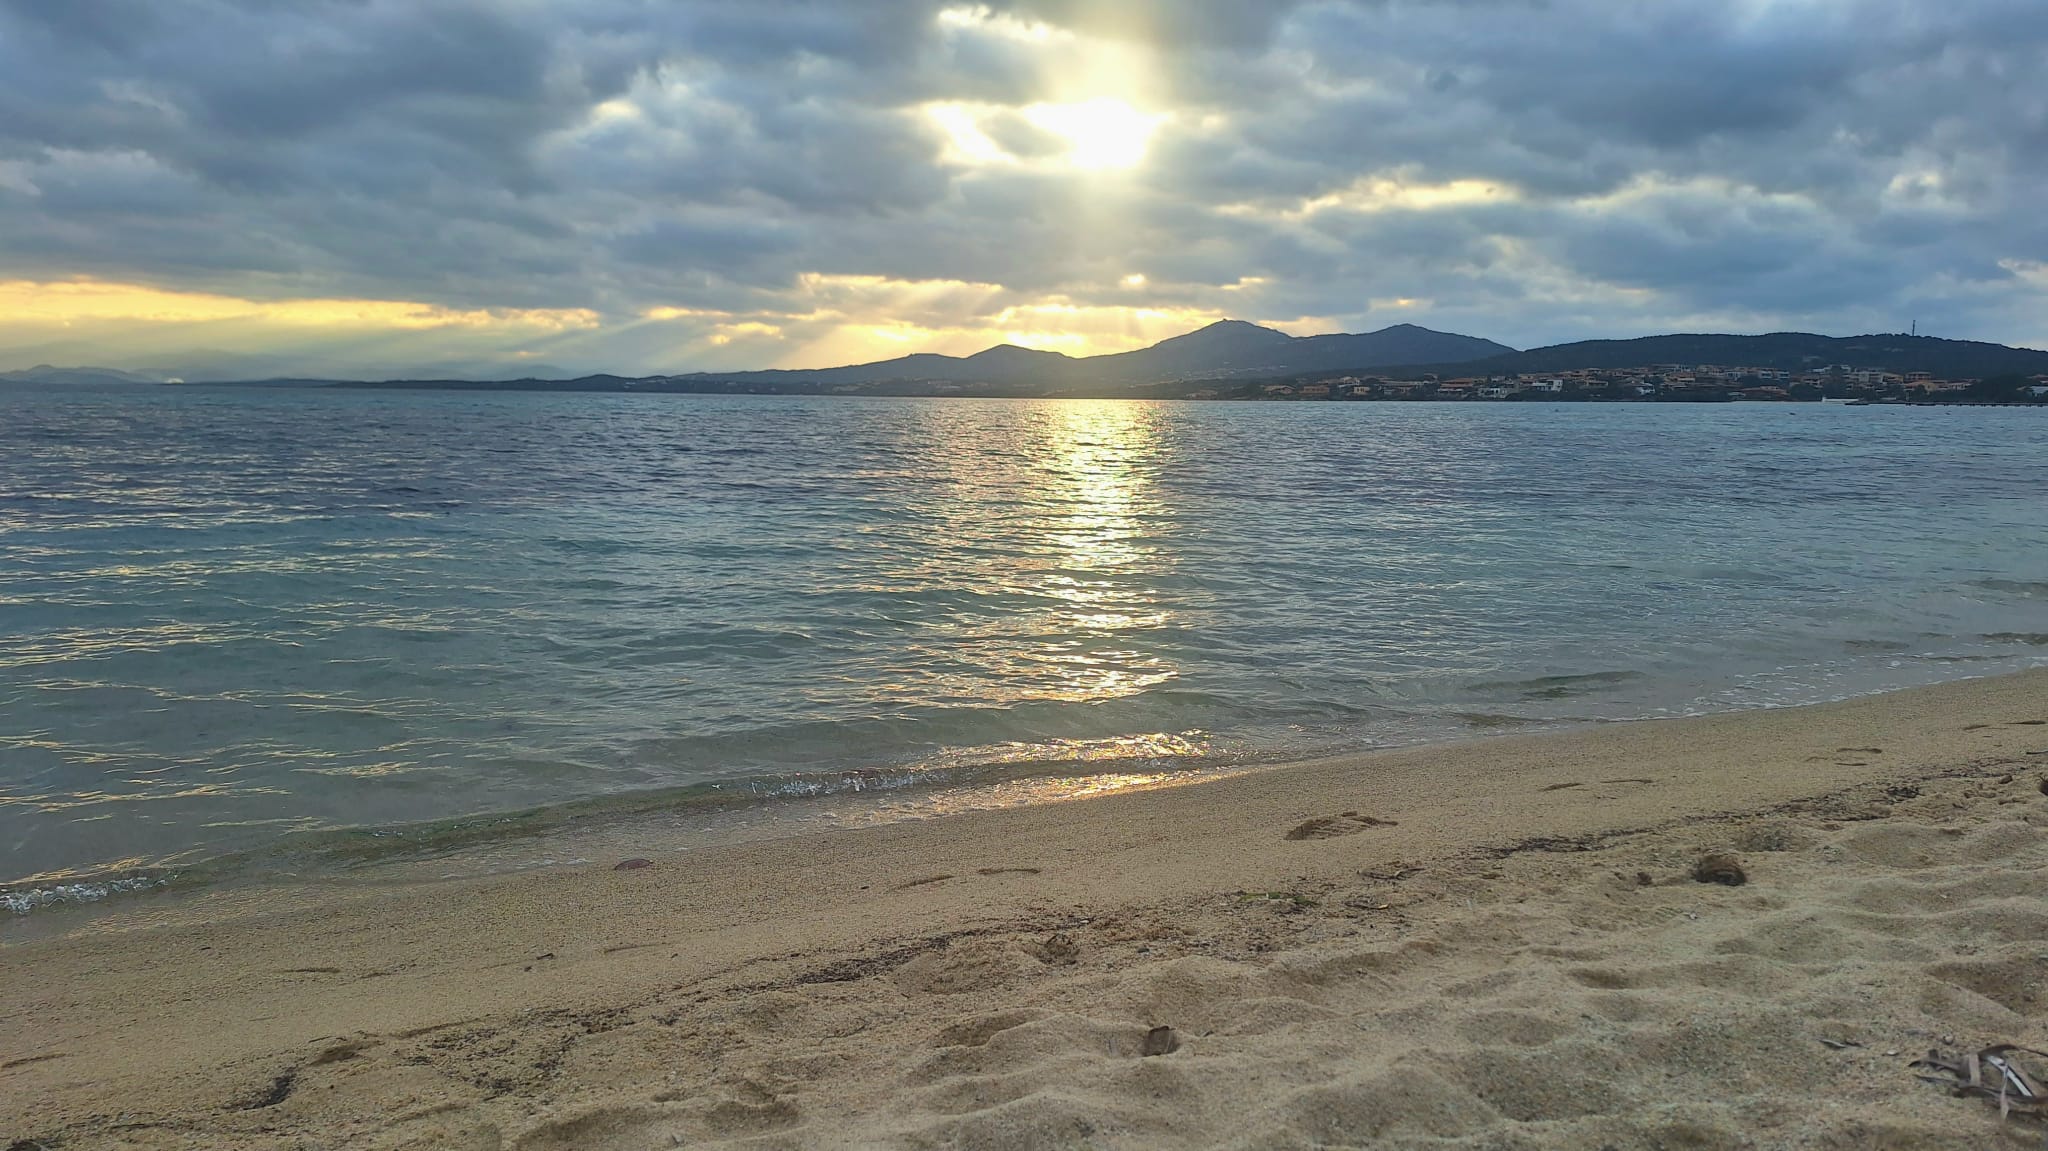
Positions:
{"x": 229, "y": 614}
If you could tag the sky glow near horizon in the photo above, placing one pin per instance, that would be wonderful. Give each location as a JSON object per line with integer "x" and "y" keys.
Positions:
{"x": 235, "y": 188}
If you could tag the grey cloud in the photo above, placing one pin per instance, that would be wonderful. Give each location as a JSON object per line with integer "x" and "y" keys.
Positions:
{"x": 1823, "y": 163}
{"x": 1176, "y": 23}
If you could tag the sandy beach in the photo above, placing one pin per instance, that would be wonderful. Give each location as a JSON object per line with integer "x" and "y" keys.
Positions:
{"x": 1496, "y": 943}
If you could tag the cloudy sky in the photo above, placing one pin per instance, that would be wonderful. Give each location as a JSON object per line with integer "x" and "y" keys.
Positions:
{"x": 491, "y": 186}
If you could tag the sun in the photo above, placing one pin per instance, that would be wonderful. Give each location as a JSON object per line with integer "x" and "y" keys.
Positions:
{"x": 1100, "y": 134}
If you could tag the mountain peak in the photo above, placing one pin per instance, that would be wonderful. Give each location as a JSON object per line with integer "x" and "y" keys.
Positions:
{"x": 1232, "y": 333}
{"x": 1015, "y": 353}
{"x": 1239, "y": 330}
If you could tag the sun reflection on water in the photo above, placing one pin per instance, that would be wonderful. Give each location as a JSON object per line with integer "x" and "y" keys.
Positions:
{"x": 1100, "y": 494}
{"x": 1093, "y": 565}
{"x": 1033, "y": 568}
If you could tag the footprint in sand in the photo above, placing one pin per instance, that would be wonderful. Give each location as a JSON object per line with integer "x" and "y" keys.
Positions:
{"x": 977, "y": 1032}
{"x": 1839, "y": 760}
{"x": 929, "y": 879}
{"x": 1637, "y": 779}
{"x": 1332, "y": 826}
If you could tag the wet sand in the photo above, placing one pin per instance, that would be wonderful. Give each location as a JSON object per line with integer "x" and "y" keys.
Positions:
{"x": 1496, "y": 943}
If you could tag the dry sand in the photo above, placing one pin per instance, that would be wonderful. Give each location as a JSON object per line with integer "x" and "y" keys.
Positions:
{"x": 1438, "y": 947}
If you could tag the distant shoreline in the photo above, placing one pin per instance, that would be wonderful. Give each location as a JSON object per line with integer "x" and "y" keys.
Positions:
{"x": 1254, "y": 391}
{"x": 1231, "y": 357}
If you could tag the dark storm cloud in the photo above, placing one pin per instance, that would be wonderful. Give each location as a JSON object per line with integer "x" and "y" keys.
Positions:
{"x": 1523, "y": 170}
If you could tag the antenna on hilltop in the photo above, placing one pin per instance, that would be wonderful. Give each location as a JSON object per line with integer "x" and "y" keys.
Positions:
{"x": 1916, "y": 327}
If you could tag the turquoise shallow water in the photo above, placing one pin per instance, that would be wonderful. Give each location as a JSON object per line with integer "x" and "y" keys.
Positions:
{"x": 232, "y": 619}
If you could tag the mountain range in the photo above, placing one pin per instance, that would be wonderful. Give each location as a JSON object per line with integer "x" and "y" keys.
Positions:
{"x": 1224, "y": 348}
{"x": 81, "y": 379}
{"x": 1234, "y": 349}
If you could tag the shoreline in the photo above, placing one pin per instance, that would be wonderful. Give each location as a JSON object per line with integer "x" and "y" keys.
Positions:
{"x": 171, "y": 1025}
{"x": 713, "y": 812}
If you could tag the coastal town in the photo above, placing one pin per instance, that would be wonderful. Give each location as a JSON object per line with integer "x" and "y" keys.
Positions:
{"x": 1680, "y": 383}
{"x": 1648, "y": 383}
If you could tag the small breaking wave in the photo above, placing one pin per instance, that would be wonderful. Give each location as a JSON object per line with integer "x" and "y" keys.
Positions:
{"x": 331, "y": 849}
{"x": 22, "y": 900}
{"x": 1558, "y": 686}
{"x": 1486, "y": 720}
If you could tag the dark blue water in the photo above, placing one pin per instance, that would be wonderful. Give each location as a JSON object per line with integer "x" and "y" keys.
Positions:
{"x": 231, "y": 615}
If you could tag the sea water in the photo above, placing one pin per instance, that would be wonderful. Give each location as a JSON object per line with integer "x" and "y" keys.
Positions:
{"x": 236, "y": 622}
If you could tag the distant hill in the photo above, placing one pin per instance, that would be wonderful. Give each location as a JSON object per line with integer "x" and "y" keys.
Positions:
{"x": 44, "y": 375}
{"x": 1003, "y": 364}
{"x": 1229, "y": 354}
{"x": 1224, "y": 348}
{"x": 1233, "y": 347}
{"x": 1792, "y": 351}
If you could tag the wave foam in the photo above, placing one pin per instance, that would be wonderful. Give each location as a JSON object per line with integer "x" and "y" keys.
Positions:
{"x": 25, "y": 900}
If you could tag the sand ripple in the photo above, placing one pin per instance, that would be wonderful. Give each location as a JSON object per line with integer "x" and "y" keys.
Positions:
{"x": 1537, "y": 998}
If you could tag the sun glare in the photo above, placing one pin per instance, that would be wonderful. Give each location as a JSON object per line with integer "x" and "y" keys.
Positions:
{"x": 1099, "y": 133}
{"x": 1089, "y": 135}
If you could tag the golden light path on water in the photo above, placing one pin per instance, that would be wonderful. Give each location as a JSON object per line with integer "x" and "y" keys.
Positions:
{"x": 1103, "y": 471}
{"x": 1049, "y": 528}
